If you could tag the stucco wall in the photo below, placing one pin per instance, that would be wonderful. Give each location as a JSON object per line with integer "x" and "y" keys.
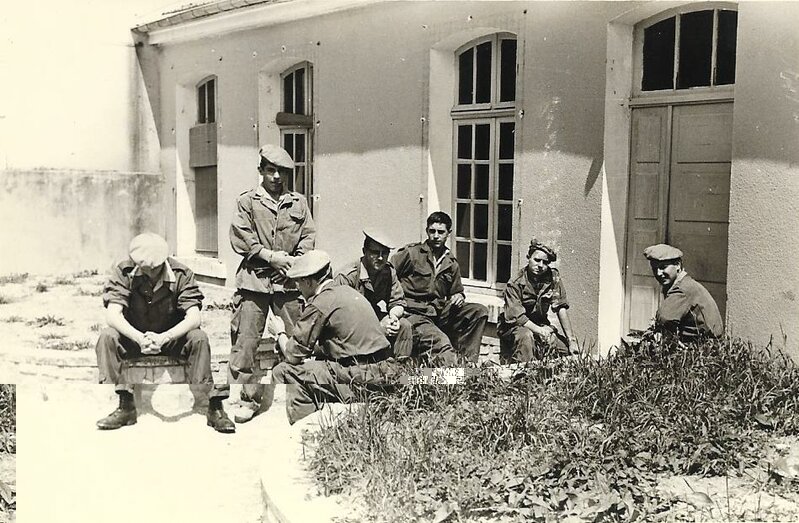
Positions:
{"x": 65, "y": 221}
{"x": 763, "y": 277}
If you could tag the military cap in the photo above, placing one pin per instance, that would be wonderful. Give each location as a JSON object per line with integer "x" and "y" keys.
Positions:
{"x": 276, "y": 155}
{"x": 535, "y": 245}
{"x": 662, "y": 252}
{"x": 309, "y": 263}
{"x": 378, "y": 236}
{"x": 148, "y": 250}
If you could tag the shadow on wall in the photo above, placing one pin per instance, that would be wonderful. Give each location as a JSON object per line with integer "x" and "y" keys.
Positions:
{"x": 63, "y": 221}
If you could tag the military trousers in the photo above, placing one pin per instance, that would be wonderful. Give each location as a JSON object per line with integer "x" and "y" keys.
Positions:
{"x": 455, "y": 335}
{"x": 519, "y": 345}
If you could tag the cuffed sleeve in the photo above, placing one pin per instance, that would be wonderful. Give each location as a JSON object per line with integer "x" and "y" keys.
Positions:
{"x": 117, "y": 288}
{"x": 559, "y": 300}
{"x": 307, "y": 330}
{"x": 188, "y": 292}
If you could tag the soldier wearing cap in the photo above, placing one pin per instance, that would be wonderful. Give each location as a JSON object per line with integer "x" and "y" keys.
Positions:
{"x": 524, "y": 329}
{"x": 687, "y": 310}
{"x": 375, "y": 278}
{"x": 153, "y": 307}
{"x": 271, "y": 227}
{"x": 342, "y": 324}
{"x": 445, "y": 326}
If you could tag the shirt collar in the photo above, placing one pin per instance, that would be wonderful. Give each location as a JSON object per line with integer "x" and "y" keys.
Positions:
{"x": 363, "y": 274}
{"x": 264, "y": 194}
{"x": 167, "y": 275}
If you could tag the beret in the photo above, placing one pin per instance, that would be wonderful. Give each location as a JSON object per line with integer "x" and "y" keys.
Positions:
{"x": 276, "y": 155}
{"x": 378, "y": 236}
{"x": 309, "y": 263}
{"x": 148, "y": 250}
{"x": 535, "y": 245}
{"x": 662, "y": 252}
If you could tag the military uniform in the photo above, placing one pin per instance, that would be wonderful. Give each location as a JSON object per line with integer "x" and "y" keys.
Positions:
{"x": 443, "y": 331}
{"x": 383, "y": 292}
{"x": 689, "y": 310}
{"x": 154, "y": 308}
{"x": 529, "y": 300}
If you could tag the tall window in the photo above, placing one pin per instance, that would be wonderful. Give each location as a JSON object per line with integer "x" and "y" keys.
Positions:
{"x": 694, "y": 49}
{"x": 484, "y": 130}
{"x": 206, "y": 101}
{"x": 296, "y": 124}
{"x": 203, "y": 159}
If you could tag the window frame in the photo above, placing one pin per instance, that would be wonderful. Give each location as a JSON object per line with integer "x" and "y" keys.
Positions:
{"x": 305, "y": 129}
{"x": 203, "y": 99}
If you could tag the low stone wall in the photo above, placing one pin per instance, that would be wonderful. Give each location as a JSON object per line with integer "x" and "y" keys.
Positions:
{"x": 65, "y": 220}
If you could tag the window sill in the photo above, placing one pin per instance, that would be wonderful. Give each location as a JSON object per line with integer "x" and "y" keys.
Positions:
{"x": 204, "y": 266}
{"x": 491, "y": 298}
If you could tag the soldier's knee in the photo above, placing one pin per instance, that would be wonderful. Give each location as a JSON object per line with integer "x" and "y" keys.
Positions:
{"x": 197, "y": 336}
{"x": 108, "y": 339}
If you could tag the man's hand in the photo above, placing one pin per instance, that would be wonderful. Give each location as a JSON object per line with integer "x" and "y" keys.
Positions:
{"x": 152, "y": 342}
{"x": 281, "y": 261}
{"x": 457, "y": 300}
{"x": 390, "y": 325}
{"x": 275, "y": 325}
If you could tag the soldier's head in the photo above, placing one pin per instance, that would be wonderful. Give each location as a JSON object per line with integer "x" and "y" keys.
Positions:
{"x": 275, "y": 166}
{"x": 149, "y": 251}
{"x": 665, "y": 262}
{"x": 439, "y": 225}
{"x": 376, "y": 249}
{"x": 539, "y": 256}
{"x": 309, "y": 271}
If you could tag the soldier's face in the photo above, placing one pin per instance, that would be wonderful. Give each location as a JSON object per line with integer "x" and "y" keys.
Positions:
{"x": 437, "y": 235}
{"x": 273, "y": 179}
{"x": 306, "y": 287}
{"x": 375, "y": 256}
{"x": 666, "y": 271}
{"x": 538, "y": 263}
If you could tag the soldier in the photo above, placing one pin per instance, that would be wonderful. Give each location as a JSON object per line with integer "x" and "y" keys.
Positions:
{"x": 375, "y": 278}
{"x": 687, "y": 310}
{"x": 153, "y": 307}
{"x": 524, "y": 328}
{"x": 271, "y": 227}
{"x": 342, "y": 324}
{"x": 445, "y": 326}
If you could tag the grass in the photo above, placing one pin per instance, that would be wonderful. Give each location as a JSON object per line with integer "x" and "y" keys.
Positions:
{"x": 52, "y": 336}
{"x": 68, "y": 345}
{"x": 64, "y": 280}
{"x": 8, "y": 418}
{"x": 4, "y": 300}
{"x": 43, "y": 321}
{"x": 582, "y": 439}
{"x": 14, "y": 319}
{"x": 13, "y": 278}
{"x": 86, "y": 273}
{"x": 82, "y": 291}
{"x": 42, "y": 287}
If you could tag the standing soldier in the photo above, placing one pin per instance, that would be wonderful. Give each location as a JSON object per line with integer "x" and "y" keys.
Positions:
{"x": 438, "y": 311}
{"x": 270, "y": 228}
{"x": 375, "y": 278}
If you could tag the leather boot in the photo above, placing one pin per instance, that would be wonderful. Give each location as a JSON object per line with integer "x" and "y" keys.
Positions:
{"x": 124, "y": 415}
{"x": 217, "y": 418}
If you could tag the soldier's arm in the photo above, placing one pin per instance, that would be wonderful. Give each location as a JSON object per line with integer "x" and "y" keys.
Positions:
{"x": 243, "y": 235}
{"x": 307, "y": 240}
{"x": 456, "y": 291}
{"x": 115, "y": 319}
{"x": 116, "y": 296}
{"x": 307, "y": 330}
{"x": 397, "y": 301}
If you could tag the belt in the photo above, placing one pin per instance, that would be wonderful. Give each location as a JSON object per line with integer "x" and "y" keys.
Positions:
{"x": 360, "y": 359}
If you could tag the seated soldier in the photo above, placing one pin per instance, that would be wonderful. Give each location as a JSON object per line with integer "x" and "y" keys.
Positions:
{"x": 342, "y": 323}
{"x": 375, "y": 278}
{"x": 446, "y": 327}
{"x": 153, "y": 307}
{"x": 687, "y": 310}
{"x": 524, "y": 329}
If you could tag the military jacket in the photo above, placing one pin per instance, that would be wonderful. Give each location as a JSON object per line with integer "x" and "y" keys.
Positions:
{"x": 147, "y": 309}
{"x": 261, "y": 223}
{"x": 427, "y": 291}
{"x": 341, "y": 321}
{"x": 530, "y": 300}
{"x": 689, "y": 310}
{"x": 384, "y": 292}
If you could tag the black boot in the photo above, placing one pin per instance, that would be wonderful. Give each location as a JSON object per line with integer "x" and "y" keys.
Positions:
{"x": 124, "y": 415}
{"x": 217, "y": 418}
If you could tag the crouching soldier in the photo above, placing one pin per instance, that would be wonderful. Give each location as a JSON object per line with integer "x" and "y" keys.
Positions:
{"x": 524, "y": 329}
{"x": 153, "y": 307}
{"x": 375, "y": 278}
{"x": 342, "y": 323}
{"x": 687, "y": 310}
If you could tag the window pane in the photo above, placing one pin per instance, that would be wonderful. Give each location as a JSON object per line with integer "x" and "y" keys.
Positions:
{"x": 211, "y": 102}
{"x": 483, "y": 73}
{"x": 725, "y": 49}
{"x": 288, "y": 93}
{"x": 696, "y": 46}
{"x": 481, "y": 182}
{"x": 659, "y": 56}
{"x": 481, "y": 221}
{"x": 506, "y": 140}
{"x": 462, "y": 253}
{"x": 507, "y": 86}
{"x": 482, "y": 141}
{"x": 505, "y": 189}
{"x": 288, "y": 143}
{"x": 465, "y": 141}
{"x": 503, "y": 263}
{"x": 201, "y": 114}
{"x": 505, "y": 222}
{"x": 299, "y": 91}
{"x": 465, "y": 76}
{"x": 463, "y": 227}
{"x": 480, "y": 257}
{"x": 464, "y": 181}
{"x": 299, "y": 178}
{"x": 299, "y": 148}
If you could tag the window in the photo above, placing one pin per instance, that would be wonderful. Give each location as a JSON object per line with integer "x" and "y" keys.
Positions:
{"x": 296, "y": 124}
{"x": 484, "y": 133}
{"x": 694, "y": 49}
{"x": 206, "y": 101}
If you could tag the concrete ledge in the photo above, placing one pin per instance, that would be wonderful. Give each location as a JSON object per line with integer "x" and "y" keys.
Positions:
{"x": 495, "y": 304}
{"x": 204, "y": 266}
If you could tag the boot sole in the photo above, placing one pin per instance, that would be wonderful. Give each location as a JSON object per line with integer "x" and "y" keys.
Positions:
{"x": 230, "y": 430}
{"x": 114, "y": 427}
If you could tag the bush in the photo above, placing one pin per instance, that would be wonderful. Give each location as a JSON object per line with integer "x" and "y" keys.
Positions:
{"x": 578, "y": 438}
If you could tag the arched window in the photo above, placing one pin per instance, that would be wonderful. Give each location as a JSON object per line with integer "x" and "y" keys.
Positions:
{"x": 690, "y": 49}
{"x": 206, "y": 101}
{"x": 296, "y": 124}
{"x": 484, "y": 132}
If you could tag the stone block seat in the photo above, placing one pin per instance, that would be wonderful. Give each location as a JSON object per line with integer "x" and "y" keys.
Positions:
{"x": 149, "y": 373}
{"x": 155, "y": 369}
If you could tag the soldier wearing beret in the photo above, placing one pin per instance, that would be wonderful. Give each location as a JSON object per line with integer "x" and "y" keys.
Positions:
{"x": 271, "y": 227}
{"x": 340, "y": 323}
{"x": 524, "y": 329}
{"x": 445, "y": 326}
{"x": 375, "y": 278}
{"x": 153, "y": 307}
{"x": 687, "y": 310}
